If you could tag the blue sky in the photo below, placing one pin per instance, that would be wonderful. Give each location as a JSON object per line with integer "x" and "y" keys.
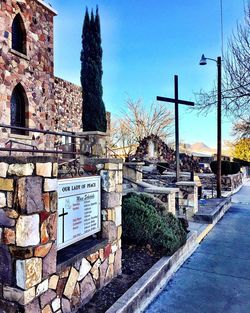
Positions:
{"x": 145, "y": 43}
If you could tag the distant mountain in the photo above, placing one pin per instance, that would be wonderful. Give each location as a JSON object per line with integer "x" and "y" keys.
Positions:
{"x": 198, "y": 147}
{"x": 201, "y": 147}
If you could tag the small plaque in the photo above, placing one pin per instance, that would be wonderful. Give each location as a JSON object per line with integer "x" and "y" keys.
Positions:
{"x": 79, "y": 212}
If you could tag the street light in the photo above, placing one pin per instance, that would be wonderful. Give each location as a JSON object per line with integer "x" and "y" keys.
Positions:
{"x": 203, "y": 61}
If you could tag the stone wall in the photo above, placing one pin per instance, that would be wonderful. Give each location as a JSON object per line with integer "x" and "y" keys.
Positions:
{"x": 28, "y": 219}
{"x": 35, "y": 70}
{"x": 133, "y": 171}
{"x": 232, "y": 182}
{"x": 32, "y": 278}
{"x": 68, "y": 101}
{"x": 228, "y": 182}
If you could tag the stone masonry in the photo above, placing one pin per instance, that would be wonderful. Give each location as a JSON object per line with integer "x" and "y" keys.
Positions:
{"x": 31, "y": 279}
{"x": 188, "y": 198}
{"x": 68, "y": 101}
{"x": 34, "y": 70}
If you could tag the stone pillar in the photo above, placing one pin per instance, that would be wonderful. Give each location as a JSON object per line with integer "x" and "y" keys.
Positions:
{"x": 94, "y": 144}
{"x": 28, "y": 228}
{"x": 133, "y": 171}
{"x": 78, "y": 281}
{"x": 188, "y": 197}
{"x": 111, "y": 200}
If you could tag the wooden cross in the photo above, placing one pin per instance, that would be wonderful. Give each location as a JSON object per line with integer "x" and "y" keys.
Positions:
{"x": 176, "y": 101}
{"x": 63, "y": 215}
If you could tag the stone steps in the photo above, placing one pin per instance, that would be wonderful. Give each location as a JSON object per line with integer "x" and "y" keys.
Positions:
{"x": 210, "y": 209}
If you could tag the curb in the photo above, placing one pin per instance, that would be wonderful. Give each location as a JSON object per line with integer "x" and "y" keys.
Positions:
{"x": 140, "y": 295}
{"x": 209, "y": 227}
{"x": 213, "y": 217}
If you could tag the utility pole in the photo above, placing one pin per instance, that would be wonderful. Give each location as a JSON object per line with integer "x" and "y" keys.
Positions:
{"x": 219, "y": 129}
{"x": 203, "y": 61}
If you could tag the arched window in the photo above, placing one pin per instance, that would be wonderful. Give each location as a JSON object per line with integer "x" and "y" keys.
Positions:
{"x": 18, "y": 108}
{"x": 18, "y": 35}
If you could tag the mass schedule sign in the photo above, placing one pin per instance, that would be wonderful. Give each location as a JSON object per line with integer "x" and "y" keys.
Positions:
{"x": 79, "y": 213}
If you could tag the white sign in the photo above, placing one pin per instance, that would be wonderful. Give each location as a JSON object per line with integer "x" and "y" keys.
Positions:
{"x": 79, "y": 213}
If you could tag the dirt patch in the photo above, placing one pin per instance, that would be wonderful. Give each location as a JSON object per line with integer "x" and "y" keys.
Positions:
{"x": 135, "y": 262}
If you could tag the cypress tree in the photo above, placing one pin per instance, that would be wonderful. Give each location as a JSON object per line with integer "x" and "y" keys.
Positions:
{"x": 94, "y": 113}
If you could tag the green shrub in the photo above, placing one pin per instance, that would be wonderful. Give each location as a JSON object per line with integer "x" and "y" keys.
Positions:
{"x": 235, "y": 167}
{"x": 143, "y": 225}
{"x": 227, "y": 167}
{"x": 160, "y": 206}
{"x": 242, "y": 162}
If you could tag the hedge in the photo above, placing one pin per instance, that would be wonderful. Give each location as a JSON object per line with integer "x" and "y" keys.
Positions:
{"x": 143, "y": 224}
{"x": 227, "y": 167}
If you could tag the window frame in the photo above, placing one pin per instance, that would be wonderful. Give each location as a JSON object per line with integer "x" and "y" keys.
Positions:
{"x": 18, "y": 35}
{"x": 20, "y": 101}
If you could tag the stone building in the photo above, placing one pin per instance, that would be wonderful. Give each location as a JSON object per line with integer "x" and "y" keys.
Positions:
{"x": 36, "y": 275}
{"x": 30, "y": 95}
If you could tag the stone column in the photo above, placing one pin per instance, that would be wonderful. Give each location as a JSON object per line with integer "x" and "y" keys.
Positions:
{"x": 28, "y": 228}
{"x": 110, "y": 171}
{"x": 188, "y": 197}
{"x": 94, "y": 144}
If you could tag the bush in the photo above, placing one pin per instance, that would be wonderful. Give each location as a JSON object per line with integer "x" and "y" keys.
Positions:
{"x": 143, "y": 225}
{"x": 227, "y": 167}
{"x": 235, "y": 167}
{"x": 160, "y": 206}
{"x": 242, "y": 162}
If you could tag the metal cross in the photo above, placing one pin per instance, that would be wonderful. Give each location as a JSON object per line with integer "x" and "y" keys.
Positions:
{"x": 176, "y": 101}
{"x": 63, "y": 215}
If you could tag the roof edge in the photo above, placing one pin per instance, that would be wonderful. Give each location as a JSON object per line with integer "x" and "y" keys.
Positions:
{"x": 47, "y": 6}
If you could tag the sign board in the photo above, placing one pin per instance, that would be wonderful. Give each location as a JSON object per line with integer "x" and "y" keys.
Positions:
{"x": 79, "y": 212}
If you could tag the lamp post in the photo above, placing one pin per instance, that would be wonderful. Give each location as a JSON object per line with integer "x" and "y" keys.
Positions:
{"x": 203, "y": 61}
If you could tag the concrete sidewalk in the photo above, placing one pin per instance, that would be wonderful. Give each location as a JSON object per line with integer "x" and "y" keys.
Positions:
{"x": 216, "y": 278}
